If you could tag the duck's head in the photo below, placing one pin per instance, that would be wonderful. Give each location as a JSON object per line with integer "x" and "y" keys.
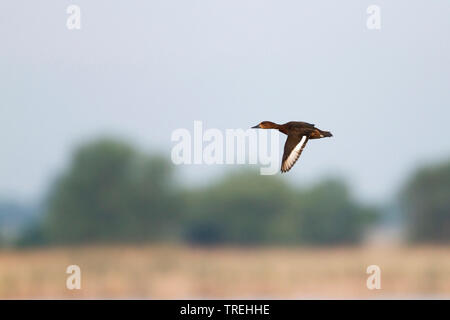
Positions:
{"x": 266, "y": 125}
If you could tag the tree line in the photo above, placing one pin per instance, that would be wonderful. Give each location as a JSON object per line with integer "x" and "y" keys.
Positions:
{"x": 114, "y": 193}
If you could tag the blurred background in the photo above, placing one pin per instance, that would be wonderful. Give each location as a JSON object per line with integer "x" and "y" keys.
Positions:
{"x": 86, "y": 178}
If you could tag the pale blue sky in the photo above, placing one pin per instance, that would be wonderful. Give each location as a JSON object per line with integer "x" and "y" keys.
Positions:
{"x": 144, "y": 68}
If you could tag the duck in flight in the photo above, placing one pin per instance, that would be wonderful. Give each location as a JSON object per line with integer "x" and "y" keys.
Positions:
{"x": 298, "y": 135}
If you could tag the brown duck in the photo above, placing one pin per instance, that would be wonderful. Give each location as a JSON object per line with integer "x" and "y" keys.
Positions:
{"x": 298, "y": 135}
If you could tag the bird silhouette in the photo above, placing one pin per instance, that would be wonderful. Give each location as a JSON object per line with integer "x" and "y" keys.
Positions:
{"x": 298, "y": 133}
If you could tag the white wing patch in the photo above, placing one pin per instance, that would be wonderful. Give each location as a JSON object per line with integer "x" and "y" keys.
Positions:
{"x": 294, "y": 155}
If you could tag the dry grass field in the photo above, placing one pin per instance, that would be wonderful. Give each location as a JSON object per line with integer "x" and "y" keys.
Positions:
{"x": 160, "y": 272}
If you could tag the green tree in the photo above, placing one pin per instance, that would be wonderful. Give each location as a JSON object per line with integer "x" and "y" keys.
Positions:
{"x": 246, "y": 208}
{"x": 243, "y": 208}
{"x": 327, "y": 214}
{"x": 110, "y": 192}
{"x": 113, "y": 193}
{"x": 426, "y": 203}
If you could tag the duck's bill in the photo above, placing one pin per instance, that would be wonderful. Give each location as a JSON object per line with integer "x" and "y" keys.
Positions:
{"x": 256, "y": 127}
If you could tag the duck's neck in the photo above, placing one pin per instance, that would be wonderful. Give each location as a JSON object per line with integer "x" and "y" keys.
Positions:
{"x": 271, "y": 125}
{"x": 279, "y": 127}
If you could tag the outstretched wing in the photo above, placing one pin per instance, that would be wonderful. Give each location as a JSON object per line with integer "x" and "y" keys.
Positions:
{"x": 292, "y": 150}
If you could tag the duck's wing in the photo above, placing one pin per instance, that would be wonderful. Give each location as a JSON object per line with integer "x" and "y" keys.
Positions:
{"x": 293, "y": 125}
{"x": 292, "y": 150}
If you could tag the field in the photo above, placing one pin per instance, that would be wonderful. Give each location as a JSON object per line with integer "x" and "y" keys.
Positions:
{"x": 163, "y": 272}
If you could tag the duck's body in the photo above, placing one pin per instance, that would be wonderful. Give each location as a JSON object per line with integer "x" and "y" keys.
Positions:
{"x": 298, "y": 135}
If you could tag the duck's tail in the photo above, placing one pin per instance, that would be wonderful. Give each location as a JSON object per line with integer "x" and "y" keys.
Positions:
{"x": 325, "y": 134}
{"x": 318, "y": 134}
